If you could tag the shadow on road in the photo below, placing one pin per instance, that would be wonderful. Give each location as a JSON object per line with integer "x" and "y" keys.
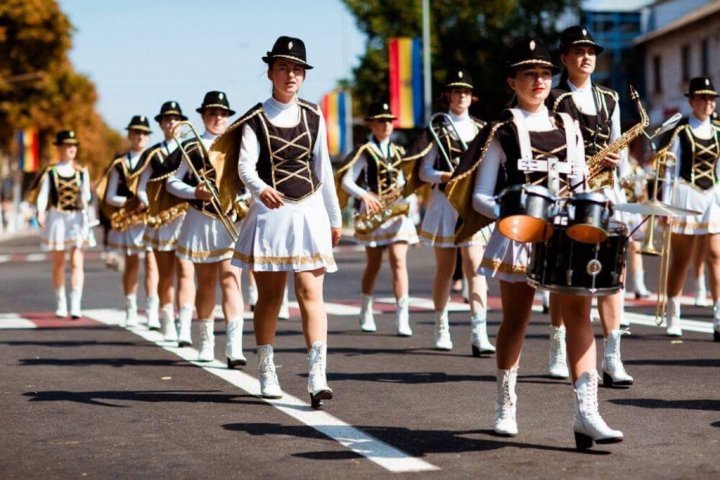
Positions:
{"x": 104, "y": 398}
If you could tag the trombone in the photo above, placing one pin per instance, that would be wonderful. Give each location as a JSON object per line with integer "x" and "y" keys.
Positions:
{"x": 208, "y": 184}
{"x": 447, "y": 129}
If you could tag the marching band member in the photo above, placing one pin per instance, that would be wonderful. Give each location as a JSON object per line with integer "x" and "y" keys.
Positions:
{"x": 164, "y": 223}
{"x": 378, "y": 163}
{"x": 597, "y": 110}
{"x": 294, "y": 218}
{"x": 62, "y": 204}
{"x": 120, "y": 202}
{"x": 438, "y": 227}
{"x": 205, "y": 239}
{"x": 695, "y": 143}
{"x": 493, "y": 160}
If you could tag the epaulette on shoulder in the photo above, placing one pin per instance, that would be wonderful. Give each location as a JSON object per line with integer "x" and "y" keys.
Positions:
{"x": 310, "y": 106}
{"x": 255, "y": 110}
{"x": 478, "y": 122}
{"x": 399, "y": 149}
{"x": 559, "y": 99}
{"x": 608, "y": 91}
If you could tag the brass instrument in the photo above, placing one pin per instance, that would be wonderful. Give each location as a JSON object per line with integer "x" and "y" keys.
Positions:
{"x": 447, "y": 129}
{"x": 366, "y": 222}
{"x": 166, "y": 216}
{"x": 128, "y": 215}
{"x": 600, "y": 176}
{"x": 208, "y": 184}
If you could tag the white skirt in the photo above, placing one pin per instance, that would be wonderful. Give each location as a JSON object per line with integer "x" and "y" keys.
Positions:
{"x": 165, "y": 238}
{"x": 505, "y": 259}
{"x": 616, "y": 195}
{"x": 203, "y": 239}
{"x": 64, "y": 230}
{"x": 438, "y": 226}
{"x": 397, "y": 229}
{"x": 129, "y": 242}
{"x": 705, "y": 201}
{"x": 295, "y": 237}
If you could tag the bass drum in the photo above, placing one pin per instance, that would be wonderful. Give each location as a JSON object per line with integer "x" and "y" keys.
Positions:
{"x": 564, "y": 265}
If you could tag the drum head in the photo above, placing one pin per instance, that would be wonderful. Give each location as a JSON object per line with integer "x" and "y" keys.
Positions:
{"x": 524, "y": 228}
{"x": 586, "y": 233}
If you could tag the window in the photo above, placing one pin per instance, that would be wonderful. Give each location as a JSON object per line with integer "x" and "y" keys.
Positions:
{"x": 685, "y": 55}
{"x": 657, "y": 77}
{"x": 705, "y": 58}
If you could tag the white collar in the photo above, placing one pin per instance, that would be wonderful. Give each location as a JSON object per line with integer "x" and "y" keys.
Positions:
{"x": 575, "y": 88}
{"x": 274, "y": 103}
{"x": 696, "y": 122}
{"x": 459, "y": 118}
{"x": 542, "y": 112}
{"x": 208, "y": 136}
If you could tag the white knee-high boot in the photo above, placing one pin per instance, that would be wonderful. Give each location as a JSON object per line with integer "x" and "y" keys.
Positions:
{"x": 403, "y": 317}
{"x": 152, "y": 306}
{"x": 269, "y": 383}
{"x": 233, "y": 349}
{"x": 480, "y": 342}
{"x": 557, "y": 364}
{"x": 443, "y": 341}
{"x": 367, "y": 319}
{"x": 589, "y": 425}
{"x": 131, "y": 319}
{"x": 612, "y": 366}
{"x": 167, "y": 318}
{"x": 207, "y": 340}
{"x": 317, "y": 377}
{"x": 506, "y": 402}
{"x": 185, "y": 325}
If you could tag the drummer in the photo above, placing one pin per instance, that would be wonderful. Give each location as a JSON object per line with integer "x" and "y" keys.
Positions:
{"x": 530, "y": 146}
{"x": 597, "y": 110}
{"x": 695, "y": 142}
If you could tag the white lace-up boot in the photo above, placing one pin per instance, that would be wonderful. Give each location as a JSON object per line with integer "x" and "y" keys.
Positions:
{"x": 152, "y": 311}
{"x": 545, "y": 301}
{"x": 185, "y": 324}
{"x": 403, "y": 317}
{"x": 61, "y": 310}
{"x": 367, "y": 318}
{"x": 76, "y": 303}
{"x": 589, "y": 425}
{"x": 614, "y": 373}
{"x": 480, "y": 341}
{"x": 673, "y": 317}
{"x": 233, "y": 349}
{"x": 131, "y": 318}
{"x": 269, "y": 384}
{"x": 317, "y": 378}
{"x": 557, "y": 365}
{"x": 284, "y": 313}
{"x": 716, "y": 321}
{"x": 641, "y": 290}
{"x": 207, "y": 340}
{"x": 167, "y": 318}
{"x": 442, "y": 331}
{"x": 700, "y": 292}
{"x": 506, "y": 403}
{"x": 252, "y": 296}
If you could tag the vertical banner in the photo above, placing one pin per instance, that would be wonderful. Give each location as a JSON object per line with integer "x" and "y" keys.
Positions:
{"x": 336, "y": 109}
{"x": 406, "y": 81}
{"x": 29, "y": 150}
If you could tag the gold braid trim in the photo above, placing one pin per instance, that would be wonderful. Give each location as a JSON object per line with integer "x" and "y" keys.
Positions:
{"x": 343, "y": 196}
{"x": 290, "y": 260}
{"x": 483, "y": 151}
{"x": 420, "y": 154}
{"x": 560, "y": 99}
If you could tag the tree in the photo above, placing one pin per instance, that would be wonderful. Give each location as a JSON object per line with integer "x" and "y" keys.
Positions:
{"x": 39, "y": 86}
{"x": 466, "y": 33}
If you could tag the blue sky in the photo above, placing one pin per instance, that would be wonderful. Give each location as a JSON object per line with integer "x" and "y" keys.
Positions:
{"x": 141, "y": 53}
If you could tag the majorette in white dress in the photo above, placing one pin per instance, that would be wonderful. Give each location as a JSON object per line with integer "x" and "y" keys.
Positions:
{"x": 556, "y": 136}
{"x": 64, "y": 190}
{"x": 438, "y": 226}
{"x": 379, "y": 164}
{"x": 696, "y": 145}
{"x": 203, "y": 237}
{"x": 124, "y": 174}
{"x": 164, "y": 222}
{"x": 284, "y": 146}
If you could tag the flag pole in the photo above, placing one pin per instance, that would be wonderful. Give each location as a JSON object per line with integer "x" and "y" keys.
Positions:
{"x": 427, "y": 82}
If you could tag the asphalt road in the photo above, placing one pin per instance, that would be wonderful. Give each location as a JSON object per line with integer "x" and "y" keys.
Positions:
{"x": 92, "y": 399}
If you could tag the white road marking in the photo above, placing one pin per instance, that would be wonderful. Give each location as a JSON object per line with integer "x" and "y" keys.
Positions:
{"x": 13, "y": 321}
{"x": 4, "y": 258}
{"x": 427, "y": 304}
{"x": 36, "y": 257}
{"x": 379, "y": 452}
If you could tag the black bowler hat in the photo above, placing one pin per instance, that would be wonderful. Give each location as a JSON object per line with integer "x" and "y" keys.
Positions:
{"x": 379, "y": 111}
{"x": 577, "y": 35}
{"x": 140, "y": 123}
{"x": 701, "y": 86}
{"x": 66, "y": 137}
{"x": 528, "y": 53}
{"x": 459, "y": 78}
{"x": 170, "y": 108}
{"x": 289, "y": 48}
{"x": 215, "y": 99}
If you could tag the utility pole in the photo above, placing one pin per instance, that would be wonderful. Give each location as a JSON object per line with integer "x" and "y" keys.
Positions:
{"x": 427, "y": 79}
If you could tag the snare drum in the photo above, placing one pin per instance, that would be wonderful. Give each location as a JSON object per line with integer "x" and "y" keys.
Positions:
{"x": 588, "y": 217}
{"x": 524, "y": 214}
{"x": 564, "y": 265}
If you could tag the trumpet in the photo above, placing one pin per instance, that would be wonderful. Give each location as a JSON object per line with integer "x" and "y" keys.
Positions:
{"x": 207, "y": 183}
{"x": 446, "y": 129}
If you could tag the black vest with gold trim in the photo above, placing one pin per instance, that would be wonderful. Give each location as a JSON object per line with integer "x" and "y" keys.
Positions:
{"x": 65, "y": 192}
{"x": 156, "y": 156}
{"x": 128, "y": 177}
{"x": 286, "y": 153}
{"x": 204, "y": 168}
{"x": 383, "y": 170}
{"x": 698, "y": 157}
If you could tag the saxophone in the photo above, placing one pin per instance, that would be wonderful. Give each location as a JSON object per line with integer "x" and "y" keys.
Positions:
{"x": 166, "y": 216}
{"x": 366, "y": 223}
{"x": 600, "y": 176}
{"x": 128, "y": 215}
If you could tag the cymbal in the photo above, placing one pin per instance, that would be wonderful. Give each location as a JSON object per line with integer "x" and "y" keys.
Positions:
{"x": 654, "y": 207}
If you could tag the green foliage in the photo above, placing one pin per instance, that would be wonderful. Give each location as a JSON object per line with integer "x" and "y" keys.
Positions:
{"x": 470, "y": 33}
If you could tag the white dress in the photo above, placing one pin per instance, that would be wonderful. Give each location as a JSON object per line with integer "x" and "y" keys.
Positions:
{"x": 685, "y": 195}
{"x": 65, "y": 229}
{"x": 295, "y": 237}
{"x": 507, "y": 259}
{"x": 165, "y": 238}
{"x": 438, "y": 226}
{"x": 203, "y": 238}
{"x": 129, "y": 241}
{"x": 398, "y": 229}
